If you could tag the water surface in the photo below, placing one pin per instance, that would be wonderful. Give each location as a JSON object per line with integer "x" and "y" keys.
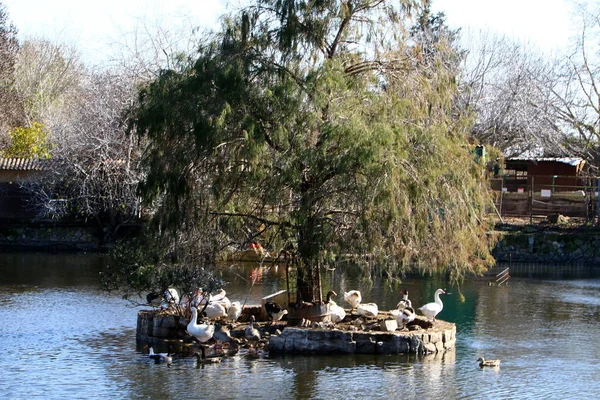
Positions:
{"x": 61, "y": 336}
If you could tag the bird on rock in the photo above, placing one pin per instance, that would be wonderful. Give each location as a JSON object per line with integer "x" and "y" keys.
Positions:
{"x": 430, "y": 310}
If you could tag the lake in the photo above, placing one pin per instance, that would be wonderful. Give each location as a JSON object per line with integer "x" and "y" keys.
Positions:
{"x": 61, "y": 336}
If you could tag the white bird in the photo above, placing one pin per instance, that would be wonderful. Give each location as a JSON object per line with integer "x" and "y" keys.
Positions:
{"x": 214, "y": 310}
{"x": 367, "y": 309}
{"x": 202, "y": 332}
{"x": 404, "y": 316}
{"x": 160, "y": 357}
{"x": 337, "y": 313}
{"x": 274, "y": 311}
{"x": 405, "y": 302}
{"x": 430, "y": 310}
{"x": 251, "y": 333}
{"x": 353, "y": 298}
{"x": 234, "y": 312}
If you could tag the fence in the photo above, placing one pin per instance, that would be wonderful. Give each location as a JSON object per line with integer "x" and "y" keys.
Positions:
{"x": 541, "y": 196}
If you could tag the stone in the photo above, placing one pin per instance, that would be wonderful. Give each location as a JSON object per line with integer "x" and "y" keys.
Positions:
{"x": 389, "y": 325}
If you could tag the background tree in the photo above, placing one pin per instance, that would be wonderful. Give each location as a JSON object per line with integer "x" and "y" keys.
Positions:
{"x": 319, "y": 128}
{"x": 11, "y": 112}
{"x": 31, "y": 142}
{"x": 500, "y": 84}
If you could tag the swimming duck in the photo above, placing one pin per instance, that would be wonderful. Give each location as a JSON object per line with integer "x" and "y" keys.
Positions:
{"x": 160, "y": 357}
{"x": 234, "y": 312}
{"x": 488, "y": 363}
{"x": 353, "y": 298}
{"x": 251, "y": 333}
{"x": 337, "y": 313}
{"x": 405, "y": 302}
{"x": 214, "y": 311}
{"x": 274, "y": 311}
{"x": 202, "y": 332}
{"x": 430, "y": 310}
{"x": 367, "y": 310}
{"x": 204, "y": 359}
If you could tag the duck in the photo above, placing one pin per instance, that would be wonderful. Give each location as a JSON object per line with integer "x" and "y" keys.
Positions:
{"x": 202, "y": 332}
{"x": 430, "y": 310}
{"x": 234, "y": 312}
{"x": 251, "y": 333}
{"x": 160, "y": 357}
{"x": 353, "y": 297}
{"x": 215, "y": 311}
{"x": 336, "y": 313}
{"x": 404, "y": 316}
{"x": 204, "y": 359}
{"x": 255, "y": 352}
{"x": 405, "y": 302}
{"x": 274, "y": 311}
{"x": 488, "y": 363}
{"x": 367, "y": 310}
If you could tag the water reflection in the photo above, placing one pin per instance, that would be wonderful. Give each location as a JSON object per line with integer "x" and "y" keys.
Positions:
{"x": 63, "y": 337}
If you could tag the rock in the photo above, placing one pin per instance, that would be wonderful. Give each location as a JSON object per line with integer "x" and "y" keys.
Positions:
{"x": 388, "y": 325}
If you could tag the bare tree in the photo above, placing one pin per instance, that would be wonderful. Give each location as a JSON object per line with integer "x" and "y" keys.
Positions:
{"x": 500, "y": 85}
{"x": 11, "y": 112}
{"x": 574, "y": 89}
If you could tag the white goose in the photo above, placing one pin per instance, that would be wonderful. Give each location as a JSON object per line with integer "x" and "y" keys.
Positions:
{"x": 202, "y": 332}
{"x": 430, "y": 310}
{"x": 214, "y": 310}
{"x": 367, "y": 310}
{"x": 251, "y": 333}
{"x": 353, "y": 298}
{"x": 337, "y": 313}
{"x": 234, "y": 312}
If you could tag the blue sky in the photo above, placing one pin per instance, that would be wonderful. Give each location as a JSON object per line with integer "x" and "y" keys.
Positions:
{"x": 93, "y": 26}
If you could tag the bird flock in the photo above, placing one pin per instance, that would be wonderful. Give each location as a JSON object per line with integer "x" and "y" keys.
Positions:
{"x": 212, "y": 317}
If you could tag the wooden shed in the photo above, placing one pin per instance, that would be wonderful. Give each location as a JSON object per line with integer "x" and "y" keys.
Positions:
{"x": 14, "y": 172}
{"x": 558, "y": 174}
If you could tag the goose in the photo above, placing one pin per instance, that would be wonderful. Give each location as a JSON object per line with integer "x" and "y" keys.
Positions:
{"x": 223, "y": 335}
{"x": 171, "y": 297}
{"x": 488, "y": 363}
{"x": 404, "y": 316}
{"x": 274, "y": 311}
{"x": 430, "y": 310}
{"x": 405, "y": 302}
{"x": 215, "y": 311}
{"x": 202, "y": 332}
{"x": 204, "y": 359}
{"x": 353, "y": 298}
{"x": 367, "y": 309}
{"x": 336, "y": 313}
{"x": 251, "y": 333}
{"x": 234, "y": 312}
{"x": 160, "y": 357}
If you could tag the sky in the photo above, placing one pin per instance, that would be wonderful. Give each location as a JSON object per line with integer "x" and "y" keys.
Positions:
{"x": 94, "y": 25}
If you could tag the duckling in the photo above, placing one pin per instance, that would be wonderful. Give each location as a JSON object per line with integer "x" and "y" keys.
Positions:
{"x": 204, "y": 359}
{"x": 488, "y": 363}
{"x": 353, "y": 298}
{"x": 405, "y": 302}
{"x": 274, "y": 311}
{"x": 251, "y": 333}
